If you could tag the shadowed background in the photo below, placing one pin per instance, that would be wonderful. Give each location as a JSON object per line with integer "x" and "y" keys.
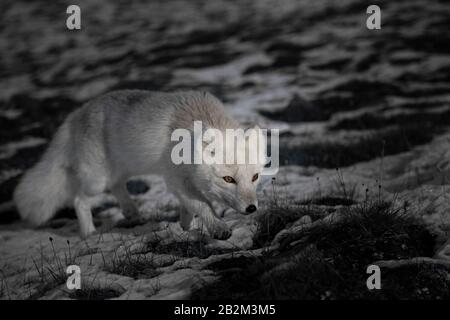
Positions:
{"x": 341, "y": 94}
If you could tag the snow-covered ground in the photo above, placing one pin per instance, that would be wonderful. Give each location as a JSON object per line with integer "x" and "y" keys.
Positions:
{"x": 373, "y": 103}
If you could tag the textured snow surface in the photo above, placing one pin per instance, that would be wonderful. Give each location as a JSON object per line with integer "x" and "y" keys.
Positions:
{"x": 376, "y": 104}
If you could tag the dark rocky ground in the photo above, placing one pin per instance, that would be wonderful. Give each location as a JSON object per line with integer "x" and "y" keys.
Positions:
{"x": 373, "y": 103}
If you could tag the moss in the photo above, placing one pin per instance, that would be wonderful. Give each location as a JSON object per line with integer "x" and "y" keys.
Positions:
{"x": 329, "y": 262}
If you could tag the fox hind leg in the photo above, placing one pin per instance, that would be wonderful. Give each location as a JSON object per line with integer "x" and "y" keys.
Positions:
{"x": 88, "y": 186}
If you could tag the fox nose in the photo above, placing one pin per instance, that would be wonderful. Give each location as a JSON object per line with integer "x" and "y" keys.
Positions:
{"x": 251, "y": 208}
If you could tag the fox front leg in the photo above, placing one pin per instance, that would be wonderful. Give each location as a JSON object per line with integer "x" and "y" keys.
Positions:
{"x": 84, "y": 215}
{"x": 216, "y": 227}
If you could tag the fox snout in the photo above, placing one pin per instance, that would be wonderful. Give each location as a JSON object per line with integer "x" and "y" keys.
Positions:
{"x": 245, "y": 207}
{"x": 247, "y": 202}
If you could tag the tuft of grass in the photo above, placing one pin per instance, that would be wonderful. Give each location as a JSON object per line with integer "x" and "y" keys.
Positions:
{"x": 276, "y": 218}
{"x": 343, "y": 193}
{"x": 365, "y": 229}
{"x": 52, "y": 270}
{"x": 329, "y": 201}
{"x": 132, "y": 265}
{"x": 280, "y": 212}
{"x": 329, "y": 261}
{"x": 344, "y": 189}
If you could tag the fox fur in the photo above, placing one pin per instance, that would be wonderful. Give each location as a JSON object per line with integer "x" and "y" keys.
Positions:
{"x": 127, "y": 133}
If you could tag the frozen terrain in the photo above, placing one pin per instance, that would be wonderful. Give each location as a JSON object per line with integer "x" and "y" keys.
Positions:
{"x": 373, "y": 103}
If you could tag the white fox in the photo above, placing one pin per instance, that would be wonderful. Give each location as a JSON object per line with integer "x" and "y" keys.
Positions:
{"x": 127, "y": 133}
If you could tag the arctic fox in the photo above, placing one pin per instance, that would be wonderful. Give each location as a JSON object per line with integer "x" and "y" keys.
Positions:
{"x": 126, "y": 133}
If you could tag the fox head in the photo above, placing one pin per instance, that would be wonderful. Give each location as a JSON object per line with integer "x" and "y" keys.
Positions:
{"x": 231, "y": 168}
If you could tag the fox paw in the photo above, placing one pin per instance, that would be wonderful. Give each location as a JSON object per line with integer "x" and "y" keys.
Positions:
{"x": 220, "y": 231}
{"x": 85, "y": 232}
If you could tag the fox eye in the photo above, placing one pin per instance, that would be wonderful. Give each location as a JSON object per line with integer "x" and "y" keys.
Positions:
{"x": 229, "y": 179}
{"x": 255, "y": 177}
